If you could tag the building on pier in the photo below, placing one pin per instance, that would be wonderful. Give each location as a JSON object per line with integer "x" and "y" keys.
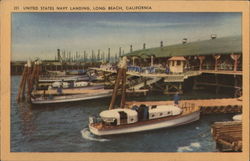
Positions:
{"x": 216, "y": 56}
{"x": 176, "y": 64}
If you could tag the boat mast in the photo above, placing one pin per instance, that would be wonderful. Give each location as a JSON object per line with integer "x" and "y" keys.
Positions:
{"x": 121, "y": 78}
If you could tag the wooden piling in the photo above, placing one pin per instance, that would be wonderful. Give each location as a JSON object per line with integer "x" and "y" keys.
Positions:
{"x": 121, "y": 78}
{"x": 22, "y": 84}
{"x": 28, "y": 78}
{"x": 117, "y": 83}
{"x": 31, "y": 79}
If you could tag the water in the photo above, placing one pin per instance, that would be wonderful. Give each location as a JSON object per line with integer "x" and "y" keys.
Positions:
{"x": 63, "y": 128}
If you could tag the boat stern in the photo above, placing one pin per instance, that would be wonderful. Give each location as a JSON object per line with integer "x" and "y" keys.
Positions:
{"x": 93, "y": 127}
{"x": 94, "y": 130}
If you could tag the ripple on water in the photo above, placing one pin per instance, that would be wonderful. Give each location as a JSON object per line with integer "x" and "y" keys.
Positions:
{"x": 190, "y": 148}
{"x": 86, "y": 134}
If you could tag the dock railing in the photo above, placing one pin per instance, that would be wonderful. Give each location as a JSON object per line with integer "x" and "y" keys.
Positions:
{"x": 188, "y": 107}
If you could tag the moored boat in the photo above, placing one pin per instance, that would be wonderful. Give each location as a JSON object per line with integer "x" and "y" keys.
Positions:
{"x": 70, "y": 98}
{"x": 120, "y": 121}
{"x": 66, "y": 78}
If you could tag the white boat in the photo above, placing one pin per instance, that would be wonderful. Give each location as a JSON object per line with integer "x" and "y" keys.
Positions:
{"x": 65, "y": 78}
{"x": 135, "y": 119}
{"x": 69, "y": 98}
{"x": 120, "y": 121}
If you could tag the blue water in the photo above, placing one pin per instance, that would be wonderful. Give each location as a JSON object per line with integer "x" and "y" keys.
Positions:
{"x": 63, "y": 128}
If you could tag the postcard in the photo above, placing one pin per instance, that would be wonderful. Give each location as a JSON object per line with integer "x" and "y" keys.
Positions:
{"x": 127, "y": 80}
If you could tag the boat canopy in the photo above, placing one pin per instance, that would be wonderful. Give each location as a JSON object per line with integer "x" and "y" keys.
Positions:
{"x": 115, "y": 114}
{"x": 162, "y": 108}
{"x": 163, "y": 111}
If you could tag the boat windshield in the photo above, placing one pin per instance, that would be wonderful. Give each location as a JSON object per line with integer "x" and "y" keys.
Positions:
{"x": 108, "y": 119}
{"x": 95, "y": 119}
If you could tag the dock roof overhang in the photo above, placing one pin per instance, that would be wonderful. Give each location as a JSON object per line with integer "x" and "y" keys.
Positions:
{"x": 224, "y": 45}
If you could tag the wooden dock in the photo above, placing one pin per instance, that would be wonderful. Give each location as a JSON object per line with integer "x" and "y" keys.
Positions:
{"x": 228, "y": 135}
{"x": 230, "y": 72}
{"x": 207, "y": 106}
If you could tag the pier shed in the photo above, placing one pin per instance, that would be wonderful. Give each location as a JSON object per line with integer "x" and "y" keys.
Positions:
{"x": 213, "y": 58}
{"x": 176, "y": 64}
{"x": 214, "y": 54}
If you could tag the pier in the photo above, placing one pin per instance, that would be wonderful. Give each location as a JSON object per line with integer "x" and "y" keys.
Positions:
{"x": 207, "y": 106}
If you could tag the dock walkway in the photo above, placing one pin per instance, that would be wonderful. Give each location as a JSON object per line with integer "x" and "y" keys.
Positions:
{"x": 207, "y": 106}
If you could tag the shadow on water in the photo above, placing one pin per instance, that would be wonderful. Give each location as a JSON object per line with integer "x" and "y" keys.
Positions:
{"x": 27, "y": 118}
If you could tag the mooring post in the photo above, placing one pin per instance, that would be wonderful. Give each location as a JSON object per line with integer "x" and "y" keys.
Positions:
{"x": 117, "y": 82}
{"x": 122, "y": 66}
{"x": 20, "y": 89}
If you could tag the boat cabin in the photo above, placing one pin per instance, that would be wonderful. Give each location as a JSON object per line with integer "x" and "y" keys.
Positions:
{"x": 176, "y": 64}
{"x": 119, "y": 116}
{"x": 60, "y": 84}
{"x": 80, "y": 84}
{"x": 163, "y": 111}
{"x": 128, "y": 116}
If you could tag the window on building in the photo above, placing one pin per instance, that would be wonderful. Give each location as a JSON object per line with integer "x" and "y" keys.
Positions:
{"x": 178, "y": 62}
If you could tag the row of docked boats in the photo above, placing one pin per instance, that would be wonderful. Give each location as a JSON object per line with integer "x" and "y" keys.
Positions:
{"x": 59, "y": 87}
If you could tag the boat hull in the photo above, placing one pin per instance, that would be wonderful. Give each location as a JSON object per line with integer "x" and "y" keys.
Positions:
{"x": 65, "y": 79}
{"x": 149, "y": 126}
{"x": 64, "y": 99}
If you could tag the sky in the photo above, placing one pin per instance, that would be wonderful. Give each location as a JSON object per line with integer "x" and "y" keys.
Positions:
{"x": 39, "y": 35}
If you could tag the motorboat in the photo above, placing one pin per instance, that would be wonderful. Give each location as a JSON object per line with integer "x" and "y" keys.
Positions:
{"x": 51, "y": 99}
{"x": 142, "y": 118}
